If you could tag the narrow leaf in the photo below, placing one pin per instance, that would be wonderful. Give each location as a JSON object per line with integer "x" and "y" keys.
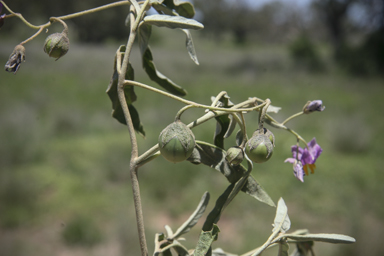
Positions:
{"x": 194, "y": 218}
{"x": 129, "y": 93}
{"x": 190, "y": 46}
{"x": 329, "y": 238}
{"x": 220, "y": 252}
{"x": 214, "y": 157}
{"x": 145, "y": 31}
{"x": 205, "y": 241}
{"x": 283, "y": 249}
{"x": 172, "y": 22}
{"x": 183, "y": 8}
{"x": 281, "y": 222}
{"x": 156, "y": 76}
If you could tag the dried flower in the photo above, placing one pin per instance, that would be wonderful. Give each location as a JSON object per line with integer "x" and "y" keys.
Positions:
{"x": 311, "y": 106}
{"x": 302, "y": 159}
{"x": 15, "y": 59}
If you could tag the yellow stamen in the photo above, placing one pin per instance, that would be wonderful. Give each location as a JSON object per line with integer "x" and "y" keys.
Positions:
{"x": 312, "y": 167}
{"x": 305, "y": 168}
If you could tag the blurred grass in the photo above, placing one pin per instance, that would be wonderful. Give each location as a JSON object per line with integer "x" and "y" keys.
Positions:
{"x": 63, "y": 156}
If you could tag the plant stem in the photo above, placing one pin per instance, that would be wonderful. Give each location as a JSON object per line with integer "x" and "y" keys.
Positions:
{"x": 127, "y": 115}
{"x": 194, "y": 104}
{"x": 66, "y": 17}
{"x": 291, "y": 117}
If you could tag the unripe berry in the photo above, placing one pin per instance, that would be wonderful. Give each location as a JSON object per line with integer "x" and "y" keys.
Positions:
{"x": 235, "y": 155}
{"x": 176, "y": 142}
{"x": 259, "y": 147}
{"x": 56, "y": 45}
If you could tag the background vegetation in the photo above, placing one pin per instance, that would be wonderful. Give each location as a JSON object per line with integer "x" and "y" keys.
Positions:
{"x": 64, "y": 187}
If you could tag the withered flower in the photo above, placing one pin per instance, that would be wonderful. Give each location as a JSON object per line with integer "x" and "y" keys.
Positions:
{"x": 15, "y": 59}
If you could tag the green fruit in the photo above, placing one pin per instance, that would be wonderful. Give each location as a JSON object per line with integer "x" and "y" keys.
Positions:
{"x": 56, "y": 45}
{"x": 235, "y": 155}
{"x": 176, "y": 142}
{"x": 259, "y": 148}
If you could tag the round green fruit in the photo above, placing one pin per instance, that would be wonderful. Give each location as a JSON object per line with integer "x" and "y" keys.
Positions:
{"x": 176, "y": 142}
{"x": 259, "y": 148}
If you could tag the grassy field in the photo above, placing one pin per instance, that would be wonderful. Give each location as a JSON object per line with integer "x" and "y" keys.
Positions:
{"x": 64, "y": 181}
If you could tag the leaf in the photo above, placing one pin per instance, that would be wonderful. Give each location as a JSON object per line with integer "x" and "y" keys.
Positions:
{"x": 281, "y": 222}
{"x": 283, "y": 249}
{"x": 129, "y": 93}
{"x": 220, "y": 252}
{"x": 156, "y": 76}
{"x": 183, "y": 8}
{"x": 190, "y": 46}
{"x": 223, "y": 122}
{"x": 205, "y": 241}
{"x": 162, "y": 20}
{"x": 225, "y": 199}
{"x": 162, "y": 9}
{"x": 145, "y": 31}
{"x": 194, "y": 218}
{"x": 329, "y": 238}
{"x": 180, "y": 249}
{"x": 214, "y": 157}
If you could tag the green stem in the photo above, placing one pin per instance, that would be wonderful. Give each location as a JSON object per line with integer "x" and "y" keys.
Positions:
{"x": 65, "y": 17}
{"x": 152, "y": 153}
{"x": 194, "y": 104}
{"x": 292, "y": 117}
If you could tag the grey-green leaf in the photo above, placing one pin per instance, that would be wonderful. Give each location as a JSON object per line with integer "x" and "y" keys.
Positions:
{"x": 283, "y": 249}
{"x": 156, "y": 76}
{"x": 281, "y": 222}
{"x": 172, "y": 22}
{"x": 205, "y": 241}
{"x": 329, "y": 238}
{"x": 190, "y": 46}
{"x": 145, "y": 31}
{"x": 194, "y": 218}
{"x": 129, "y": 93}
{"x": 214, "y": 157}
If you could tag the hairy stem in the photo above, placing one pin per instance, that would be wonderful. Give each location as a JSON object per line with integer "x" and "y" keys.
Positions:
{"x": 127, "y": 115}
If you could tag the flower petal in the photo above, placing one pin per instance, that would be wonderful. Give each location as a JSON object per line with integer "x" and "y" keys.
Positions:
{"x": 298, "y": 171}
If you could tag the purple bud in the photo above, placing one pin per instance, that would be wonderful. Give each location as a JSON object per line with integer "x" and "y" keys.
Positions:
{"x": 315, "y": 105}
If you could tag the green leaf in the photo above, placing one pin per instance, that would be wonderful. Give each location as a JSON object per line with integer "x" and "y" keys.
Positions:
{"x": 183, "y": 8}
{"x": 220, "y": 252}
{"x": 223, "y": 122}
{"x": 214, "y": 157}
{"x": 283, "y": 249}
{"x": 129, "y": 93}
{"x": 194, "y": 218}
{"x": 190, "y": 46}
{"x": 205, "y": 241}
{"x": 224, "y": 199}
{"x": 172, "y": 22}
{"x": 145, "y": 31}
{"x": 281, "y": 222}
{"x": 160, "y": 79}
{"x": 162, "y": 9}
{"x": 328, "y": 238}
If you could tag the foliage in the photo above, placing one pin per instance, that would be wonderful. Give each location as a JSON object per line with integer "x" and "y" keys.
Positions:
{"x": 228, "y": 116}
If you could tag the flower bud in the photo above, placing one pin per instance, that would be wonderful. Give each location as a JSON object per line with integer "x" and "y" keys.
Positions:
{"x": 311, "y": 106}
{"x": 176, "y": 142}
{"x": 15, "y": 59}
{"x": 259, "y": 147}
{"x": 56, "y": 45}
{"x": 235, "y": 155}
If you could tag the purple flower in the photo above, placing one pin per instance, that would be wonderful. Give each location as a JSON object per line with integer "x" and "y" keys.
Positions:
{"x": 304, "y": 158}
{"x": 315, "y": 105}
